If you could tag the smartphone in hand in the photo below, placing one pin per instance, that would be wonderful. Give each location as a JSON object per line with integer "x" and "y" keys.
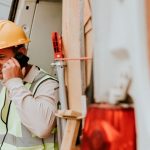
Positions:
{"x": 22, "y": 59}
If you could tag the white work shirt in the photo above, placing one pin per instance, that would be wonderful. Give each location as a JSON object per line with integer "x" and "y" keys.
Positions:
{"x": 37, "y": 113}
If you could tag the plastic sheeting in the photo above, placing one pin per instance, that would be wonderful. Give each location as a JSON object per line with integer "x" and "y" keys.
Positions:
{"x": 120, "y": 30}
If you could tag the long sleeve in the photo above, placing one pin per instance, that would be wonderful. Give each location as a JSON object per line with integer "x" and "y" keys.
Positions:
{"x": 37, "y": 113}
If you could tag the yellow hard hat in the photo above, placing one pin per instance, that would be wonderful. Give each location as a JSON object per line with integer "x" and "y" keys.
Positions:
{"x": 11, "y": 34}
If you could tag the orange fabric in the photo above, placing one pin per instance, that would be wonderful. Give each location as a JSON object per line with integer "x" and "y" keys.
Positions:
{"x": 109, "y": 128}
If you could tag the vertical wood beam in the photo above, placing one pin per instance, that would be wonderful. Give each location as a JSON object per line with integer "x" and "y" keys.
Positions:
{"x": 72, "y": 46}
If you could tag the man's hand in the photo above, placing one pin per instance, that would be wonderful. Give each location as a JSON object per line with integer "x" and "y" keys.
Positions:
{"x": 11, "y": 69}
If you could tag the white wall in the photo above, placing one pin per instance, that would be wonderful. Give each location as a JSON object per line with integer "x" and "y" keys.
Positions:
{"x": 38, "y": 21}
{"x": 5, "y": 8}
{"x": 47, "y": 19}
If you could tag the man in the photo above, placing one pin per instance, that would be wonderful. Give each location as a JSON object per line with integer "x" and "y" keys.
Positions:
{"x": 28, "y": 97}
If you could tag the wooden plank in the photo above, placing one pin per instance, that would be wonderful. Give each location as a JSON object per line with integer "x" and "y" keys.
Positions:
{"x": 88, "y": 37}
{"x": 87, "y": 11}
{"x": 70, "y": 135}
{"x": 72, "y": 45}
{"x": 77, "y": 148}
{"x": 89, "y": 53}
{"x": 88, "y": 26}
{"x": 68, "y": 114}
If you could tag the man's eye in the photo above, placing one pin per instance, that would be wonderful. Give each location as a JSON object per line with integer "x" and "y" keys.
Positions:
{"x": 2, "y": 56}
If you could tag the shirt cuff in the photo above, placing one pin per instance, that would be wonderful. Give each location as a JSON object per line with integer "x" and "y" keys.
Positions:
{"x": 13, "y": 83}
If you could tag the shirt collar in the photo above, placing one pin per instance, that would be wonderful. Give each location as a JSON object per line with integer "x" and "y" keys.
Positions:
{"x": 34, "y": 71}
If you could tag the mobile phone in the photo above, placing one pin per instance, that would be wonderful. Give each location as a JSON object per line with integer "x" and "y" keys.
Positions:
{"x": 22, "y": 59}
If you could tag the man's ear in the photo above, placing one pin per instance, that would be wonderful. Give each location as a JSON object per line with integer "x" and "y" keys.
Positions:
{"x": 23, "y": 50}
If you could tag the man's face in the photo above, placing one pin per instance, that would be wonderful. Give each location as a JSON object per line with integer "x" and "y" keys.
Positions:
{"x": 5, "y": 54}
